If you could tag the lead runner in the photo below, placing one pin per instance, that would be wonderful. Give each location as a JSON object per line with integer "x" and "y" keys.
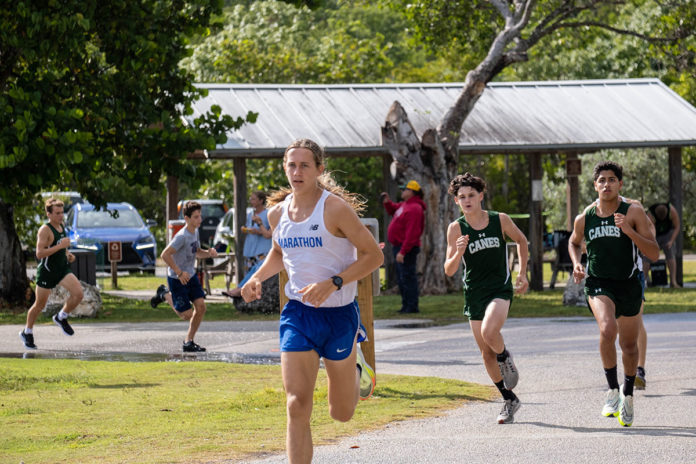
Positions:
{"x": 325, "y": 249}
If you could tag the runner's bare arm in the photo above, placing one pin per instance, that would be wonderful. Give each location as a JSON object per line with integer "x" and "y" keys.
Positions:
{"x": 456, "y": 247}
{"x": 575, "y": 247}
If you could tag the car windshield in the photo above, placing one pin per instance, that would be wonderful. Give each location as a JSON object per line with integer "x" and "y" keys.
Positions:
{"x": 103, "y": 219}
{"x": 212, "y": 211}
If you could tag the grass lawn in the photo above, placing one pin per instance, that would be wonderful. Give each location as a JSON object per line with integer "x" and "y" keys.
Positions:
{"x": 116, "y": 412}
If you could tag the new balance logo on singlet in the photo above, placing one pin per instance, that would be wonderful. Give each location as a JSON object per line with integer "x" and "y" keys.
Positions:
{"x": 300, "y": 242}
{"x": 314, "y": 227}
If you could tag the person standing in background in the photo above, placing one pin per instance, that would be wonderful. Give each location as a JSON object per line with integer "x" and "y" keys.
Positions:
{"x": 667, "y": 226}
{"x": 404, "y": 234}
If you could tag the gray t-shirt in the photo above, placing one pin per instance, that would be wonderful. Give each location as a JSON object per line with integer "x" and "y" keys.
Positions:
{"x": 186, "y": 245}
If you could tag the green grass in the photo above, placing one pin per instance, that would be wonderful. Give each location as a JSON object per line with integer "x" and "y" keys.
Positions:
{"x": 115, "y": 412}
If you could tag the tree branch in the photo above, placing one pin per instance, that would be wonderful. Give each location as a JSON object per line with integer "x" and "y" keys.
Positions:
{"x": 617, "y": 30}
{"x": 502, "y": 9}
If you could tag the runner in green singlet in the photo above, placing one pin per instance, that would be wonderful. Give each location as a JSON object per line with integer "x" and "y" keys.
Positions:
{"x": 53, "y": 269}
{"x": 614, "y": 232}
{"x": 478, "y": 240}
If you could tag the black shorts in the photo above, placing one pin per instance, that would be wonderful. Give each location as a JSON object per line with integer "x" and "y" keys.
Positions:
{"x": 627, "y": 295}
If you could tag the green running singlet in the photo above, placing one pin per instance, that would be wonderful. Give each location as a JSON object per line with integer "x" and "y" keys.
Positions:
{"x": 611, "y": 254}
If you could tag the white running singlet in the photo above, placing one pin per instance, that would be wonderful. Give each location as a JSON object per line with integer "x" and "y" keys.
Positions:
{"x": 311, "y": 254}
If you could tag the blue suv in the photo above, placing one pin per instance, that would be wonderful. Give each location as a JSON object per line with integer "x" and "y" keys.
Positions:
{"x": 90, "y": 229}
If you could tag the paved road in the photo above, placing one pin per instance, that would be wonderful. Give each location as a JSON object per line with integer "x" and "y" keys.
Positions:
{"x": 561, "y": 386}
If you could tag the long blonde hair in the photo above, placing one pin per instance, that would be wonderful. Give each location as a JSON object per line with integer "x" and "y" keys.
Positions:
{"x": 325, "y": 180}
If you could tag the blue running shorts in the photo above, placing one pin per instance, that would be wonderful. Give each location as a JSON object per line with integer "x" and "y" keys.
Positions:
{"x": 328, "y": 331}
{"x": 183, "y": 295}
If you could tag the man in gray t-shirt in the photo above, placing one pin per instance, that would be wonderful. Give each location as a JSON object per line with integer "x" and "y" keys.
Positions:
{"x": 184, "y": 286}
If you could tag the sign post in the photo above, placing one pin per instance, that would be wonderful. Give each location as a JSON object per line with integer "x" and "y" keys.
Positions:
{"x": 114, "y": 258}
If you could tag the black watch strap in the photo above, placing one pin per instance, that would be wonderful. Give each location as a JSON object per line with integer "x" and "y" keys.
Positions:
{"x": 337, "y": 281}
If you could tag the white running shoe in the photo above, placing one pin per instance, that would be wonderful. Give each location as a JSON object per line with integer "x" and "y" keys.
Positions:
{"x": 507, "y": 414}
{"x": 612, "y": 402}
{"x": 626, "y": 410}
{"x": 367, "y": 376}
{"x": 509, "y": 372}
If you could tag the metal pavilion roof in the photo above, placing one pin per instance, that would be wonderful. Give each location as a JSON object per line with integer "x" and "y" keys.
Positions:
{"x": 509, "y": 117}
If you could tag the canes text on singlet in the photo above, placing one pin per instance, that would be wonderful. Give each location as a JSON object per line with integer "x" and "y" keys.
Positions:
{"x": 603, "y": 231}
{"x": 483, "y": 243}
{"x": 300, "y": 242}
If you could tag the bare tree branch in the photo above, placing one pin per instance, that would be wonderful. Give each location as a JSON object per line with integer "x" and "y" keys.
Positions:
{"x": 647, "y": 38}
{"x": 502, "y": 9}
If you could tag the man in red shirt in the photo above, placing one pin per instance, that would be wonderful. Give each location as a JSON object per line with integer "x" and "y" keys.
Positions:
{"x": 404, "y": 234}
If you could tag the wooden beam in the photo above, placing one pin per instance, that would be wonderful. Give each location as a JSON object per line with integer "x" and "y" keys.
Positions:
{"x": 536, "y": 225}
{"x": 240, "y": 203}
{"x": 675, "y": 198}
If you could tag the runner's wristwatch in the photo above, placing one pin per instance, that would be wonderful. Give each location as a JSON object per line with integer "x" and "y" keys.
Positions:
{"x": 337, "y": 281}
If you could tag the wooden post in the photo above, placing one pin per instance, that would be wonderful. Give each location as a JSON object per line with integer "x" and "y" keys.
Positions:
{"x": 282, "y": 280}
{"x": 573, "y": 171}
{"x": 240, "y": 202}
{"x": 536, "y": 228}
{"x": 675, "y": 198}
{"x": 367, "y": 319}
{"x": 366, "y": 312}
{"x": 114, "y": 275}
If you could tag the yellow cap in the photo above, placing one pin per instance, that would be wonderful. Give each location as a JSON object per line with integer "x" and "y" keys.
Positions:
{"x": 412, "y": 185}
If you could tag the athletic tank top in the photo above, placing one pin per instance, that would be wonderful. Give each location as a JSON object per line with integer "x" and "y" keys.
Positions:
{"x": 485, "y": 259}
{"x": 59, "y": 259}
{"x": 611, "y": 254}
{"x": 662, "y": 226}
{"x": 311, "y": 253}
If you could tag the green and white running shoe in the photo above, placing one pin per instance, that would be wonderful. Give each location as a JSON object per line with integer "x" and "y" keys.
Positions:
{"x": 626, "y": 410}
{"x": 612, "y": 402}
{"x": 507, "y": 414}
{"x": 367, "y": 376}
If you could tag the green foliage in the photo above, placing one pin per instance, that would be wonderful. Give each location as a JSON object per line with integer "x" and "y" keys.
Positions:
{"x": 89, "y": 96}
{"x": 272, "y": 41}
{"x": 645, "y": 179}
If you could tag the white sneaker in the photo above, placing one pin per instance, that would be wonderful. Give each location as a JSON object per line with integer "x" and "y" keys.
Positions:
{"x": 612, "y": 402}
{"x": 626, "y": 410}
{"x": 367, "y": 376}
{"x": 509, "y": 372}
{"x": 507, "y": 414}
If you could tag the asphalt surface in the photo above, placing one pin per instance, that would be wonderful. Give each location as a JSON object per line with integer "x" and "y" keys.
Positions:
{"x": 561, "y": 387}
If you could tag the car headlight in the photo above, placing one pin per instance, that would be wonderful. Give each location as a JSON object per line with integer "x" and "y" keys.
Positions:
{"x": 147, "y": 242}
{"x": 87, "y": 244}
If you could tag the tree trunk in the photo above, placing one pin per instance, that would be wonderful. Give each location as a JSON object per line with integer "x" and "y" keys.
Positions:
{"x": 14, "y": 285}
{"x": 433, "y": 160}
{"x": 425, "y": 161}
